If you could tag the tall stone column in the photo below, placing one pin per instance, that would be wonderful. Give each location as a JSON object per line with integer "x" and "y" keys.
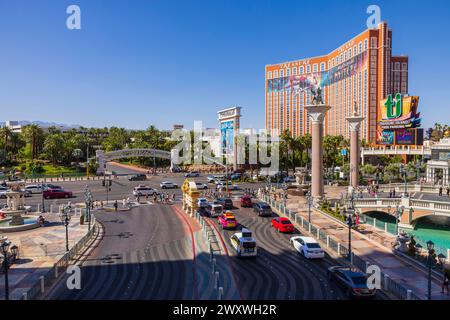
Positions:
{"x": 317, "y": 115}
{"x": 354, "y": 124}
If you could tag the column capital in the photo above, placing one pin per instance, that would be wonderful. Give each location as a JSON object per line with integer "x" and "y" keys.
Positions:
{"x": 317, "y": 112}
{"x": 354, "y": 123}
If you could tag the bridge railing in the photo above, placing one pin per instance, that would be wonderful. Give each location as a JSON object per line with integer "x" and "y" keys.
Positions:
{"x": 389, "y": 285}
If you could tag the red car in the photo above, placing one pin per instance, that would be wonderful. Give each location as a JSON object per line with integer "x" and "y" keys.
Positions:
{"x": 246, "y": 201}
{"x": 283, "y": 224}
{"x": 56, "y": 194}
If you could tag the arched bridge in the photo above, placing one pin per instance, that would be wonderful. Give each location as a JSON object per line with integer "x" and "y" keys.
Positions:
{"x": 414, "y": 209}
{"x": 103, "y": 157}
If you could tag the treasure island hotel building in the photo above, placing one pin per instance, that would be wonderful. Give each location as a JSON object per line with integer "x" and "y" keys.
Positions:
{"x": 362, "y": 70}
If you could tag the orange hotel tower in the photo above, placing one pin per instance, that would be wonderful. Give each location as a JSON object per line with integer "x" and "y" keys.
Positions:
{"x": 362, "y": 70}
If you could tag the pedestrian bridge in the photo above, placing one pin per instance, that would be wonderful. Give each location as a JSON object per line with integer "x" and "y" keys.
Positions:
{"x": 395, "y": 150}
{"x": 414, "y": 209}
{"x": 103, "y": 157}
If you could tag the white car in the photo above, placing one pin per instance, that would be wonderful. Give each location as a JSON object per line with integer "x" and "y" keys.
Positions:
{"x": 201, "y": 186}
{"x": 308, "y": 247}
{"x": 231, "y": 186}
{"x": 142, "y": 191}
{"x": 168, "y": 185}
{"x": 34, "y": 188}
{"x": 3, "y": 194}
{"x": 203, "y": 203}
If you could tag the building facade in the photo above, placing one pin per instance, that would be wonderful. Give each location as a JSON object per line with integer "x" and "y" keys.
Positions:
{"x": 363, "y": 70}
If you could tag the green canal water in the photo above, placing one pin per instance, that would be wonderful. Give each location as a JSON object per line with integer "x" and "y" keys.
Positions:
{"x": 436, "y": 229}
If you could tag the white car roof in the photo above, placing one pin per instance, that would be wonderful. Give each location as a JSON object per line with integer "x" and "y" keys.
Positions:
{"x": 202, "y": 199}
{"x": 306, "y": 239}
{"x": 166, "y": 182}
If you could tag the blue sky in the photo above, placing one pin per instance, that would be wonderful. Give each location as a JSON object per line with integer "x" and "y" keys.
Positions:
{"x": 136, "y": 63}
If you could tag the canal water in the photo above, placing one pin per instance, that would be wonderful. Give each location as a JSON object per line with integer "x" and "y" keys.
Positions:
{"x": 435, "y": 228}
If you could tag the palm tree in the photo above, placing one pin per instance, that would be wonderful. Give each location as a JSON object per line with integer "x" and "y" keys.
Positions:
{"x": 6, "y": 134}
{"x": 33, "y": 135}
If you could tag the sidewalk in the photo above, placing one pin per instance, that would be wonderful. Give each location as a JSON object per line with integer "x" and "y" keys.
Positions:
{"x": 39, "y": 250}
{"x": 374, "y": 246}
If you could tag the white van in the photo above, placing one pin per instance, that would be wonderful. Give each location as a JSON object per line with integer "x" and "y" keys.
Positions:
{"x": 244, "y": 243}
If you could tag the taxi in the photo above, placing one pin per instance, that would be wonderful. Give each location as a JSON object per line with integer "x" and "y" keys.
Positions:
{"x": 227, "y": 220}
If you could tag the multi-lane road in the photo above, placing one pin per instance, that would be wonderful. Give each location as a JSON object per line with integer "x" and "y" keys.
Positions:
{"x": 155, "y": 251}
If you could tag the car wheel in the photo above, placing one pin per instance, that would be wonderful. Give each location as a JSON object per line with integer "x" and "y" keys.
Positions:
{"x": 66, "y": 196}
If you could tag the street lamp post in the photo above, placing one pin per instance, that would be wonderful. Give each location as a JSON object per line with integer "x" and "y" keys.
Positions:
{"x": 65, "y": 219}
{"x": 43, "y": 203}
{"x": 430, "y": 247}
{"x": 350, "y": 212}
{"x": 88, "y": 201}
{"x": 404, "y": 173}
{"x": 308, "y": 199}
{"x": 5, "y": 248}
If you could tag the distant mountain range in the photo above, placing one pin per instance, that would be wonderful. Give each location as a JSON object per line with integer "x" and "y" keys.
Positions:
{"x": 43, "y": 124}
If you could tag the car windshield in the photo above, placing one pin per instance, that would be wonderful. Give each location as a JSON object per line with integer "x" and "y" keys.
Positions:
{"x": 313, "y": 245}
{"x": 359, "y": 280}
{"x": 285, "y": 222}
{"x": 264, "y": 206}
{"x": 248, "y": 244}
{"x": 228, "y": 200}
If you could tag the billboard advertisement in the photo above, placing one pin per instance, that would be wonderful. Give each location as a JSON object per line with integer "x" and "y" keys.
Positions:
{"x": 405, "y": 136}
{"x": 227, "y": 136}
{"x": 399, "y": 112}
{"x": 385, "y": 137}
{"x": 318, "y": 79}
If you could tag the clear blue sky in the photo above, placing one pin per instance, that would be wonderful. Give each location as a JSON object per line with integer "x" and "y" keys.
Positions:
{"x": 136, "y": 63}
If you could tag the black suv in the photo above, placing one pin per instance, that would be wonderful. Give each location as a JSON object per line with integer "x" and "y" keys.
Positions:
{"x": 262, "y": 209}
{"x": 226, "y": 203}
{"x": 138, "y": 177}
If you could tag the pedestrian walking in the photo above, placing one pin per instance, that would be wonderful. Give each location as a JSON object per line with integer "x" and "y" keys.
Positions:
{"x": 390, "y": 193}
{"x": 440, "y": 191}
{"x": 448, "y": 191}
{"x": 116, "y": 205}
{"x": 393, "y": 193}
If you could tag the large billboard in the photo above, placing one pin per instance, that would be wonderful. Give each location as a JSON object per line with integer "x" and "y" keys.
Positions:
{"x": 399, "y": 112}
{"x": 398, "y": 121}
{"x": 318, "y": 79}
{"x": 227, "y": 136}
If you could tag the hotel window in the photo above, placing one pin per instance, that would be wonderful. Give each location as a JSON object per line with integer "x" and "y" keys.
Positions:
{"x": 322, "y": 66}
{"x": 281, "y": 73}
{"x": 359, "y": 47}
{"x": 365, "y": 44}
{"x": 269, "y": 75}
{"x": 308, "y": 69}
{"x": 349, "y": 53}
{"x": 354, "y": 51}
{"x": 373, "y": 43}
{"x": 294, "y": 71}
{"x": 275, "y": 74}
{"x": 301, "y": 70}
{"x": 404, "y": 66}
{"x": 329, "y": 64}
{"x": 288, "y": 72}
{"x": 315, "y": 67}
{"x": 397, "y": 66}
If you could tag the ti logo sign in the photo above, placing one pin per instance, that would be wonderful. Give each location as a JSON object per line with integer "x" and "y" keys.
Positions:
{"x": 394, "y": 106}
